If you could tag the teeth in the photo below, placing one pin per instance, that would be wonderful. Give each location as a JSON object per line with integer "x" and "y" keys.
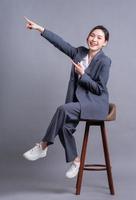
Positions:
{"x": 93, "y": 44}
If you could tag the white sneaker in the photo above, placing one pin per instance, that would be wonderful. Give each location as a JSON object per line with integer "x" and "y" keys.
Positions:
{"x": 73, "y": 170}
{"x": 35, "y": 153}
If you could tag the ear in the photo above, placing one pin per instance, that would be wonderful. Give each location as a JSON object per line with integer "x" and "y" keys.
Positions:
{"x": 105, "y": 43}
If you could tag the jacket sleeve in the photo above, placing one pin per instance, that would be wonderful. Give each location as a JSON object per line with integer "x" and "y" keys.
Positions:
{"x": 59, "y": 43}
{"x": 97, "y": 86}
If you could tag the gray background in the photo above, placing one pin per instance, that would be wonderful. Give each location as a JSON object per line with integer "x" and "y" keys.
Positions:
{"x": 33, "y": 82}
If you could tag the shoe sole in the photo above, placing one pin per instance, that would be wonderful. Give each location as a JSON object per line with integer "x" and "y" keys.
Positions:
{"x": 33, "y": 159}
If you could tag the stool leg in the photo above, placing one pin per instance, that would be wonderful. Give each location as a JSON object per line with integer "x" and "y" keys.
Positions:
{"x": 107, "y": 158}
{"x": 83, "y": 154}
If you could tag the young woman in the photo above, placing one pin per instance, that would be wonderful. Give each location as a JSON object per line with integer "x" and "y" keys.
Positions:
{"x": 87, "y": 95}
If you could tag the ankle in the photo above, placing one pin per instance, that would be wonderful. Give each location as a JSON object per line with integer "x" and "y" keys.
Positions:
{"x": 77, "y": 160}
{"x": 43, "y": 144}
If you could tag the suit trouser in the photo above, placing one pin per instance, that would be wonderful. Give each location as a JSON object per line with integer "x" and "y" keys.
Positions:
{"x": 63, "y": 124}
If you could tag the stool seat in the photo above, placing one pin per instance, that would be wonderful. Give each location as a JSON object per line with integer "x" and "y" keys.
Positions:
{"x": 110, "y": 117}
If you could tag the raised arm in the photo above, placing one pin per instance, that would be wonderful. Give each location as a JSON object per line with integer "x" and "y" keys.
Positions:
{"x": 53, "y": 38}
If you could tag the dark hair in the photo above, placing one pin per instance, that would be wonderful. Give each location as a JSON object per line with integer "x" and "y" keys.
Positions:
{"x": 106, "y": 32}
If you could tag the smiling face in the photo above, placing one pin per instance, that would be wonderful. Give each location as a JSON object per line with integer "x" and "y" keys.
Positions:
{"x": 96, "y": 40}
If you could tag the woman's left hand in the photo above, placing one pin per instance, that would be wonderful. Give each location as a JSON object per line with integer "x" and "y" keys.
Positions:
{"x": 79, "y": 69}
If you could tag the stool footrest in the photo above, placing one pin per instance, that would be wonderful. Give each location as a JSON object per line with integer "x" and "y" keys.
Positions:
{"x": 94, "y": 167}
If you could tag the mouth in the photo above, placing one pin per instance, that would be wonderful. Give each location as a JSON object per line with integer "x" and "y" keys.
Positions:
{"x": 93, "y": 44}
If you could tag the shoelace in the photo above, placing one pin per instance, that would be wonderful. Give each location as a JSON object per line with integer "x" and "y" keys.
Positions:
{"x": 37, "y": 146}
{"x": 73, "y": 166}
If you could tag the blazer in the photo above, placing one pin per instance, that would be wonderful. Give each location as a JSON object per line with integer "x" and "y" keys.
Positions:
{"x": 90, "y": 89}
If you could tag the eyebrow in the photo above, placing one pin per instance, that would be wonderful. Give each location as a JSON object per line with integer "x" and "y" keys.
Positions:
{"x": 97, "y": 35}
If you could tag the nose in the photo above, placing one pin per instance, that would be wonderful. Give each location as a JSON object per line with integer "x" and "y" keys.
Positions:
{"x": 94, "y": 39}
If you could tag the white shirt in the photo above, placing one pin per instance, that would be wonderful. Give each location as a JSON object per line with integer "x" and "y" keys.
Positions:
{"x": 84, "y": 62}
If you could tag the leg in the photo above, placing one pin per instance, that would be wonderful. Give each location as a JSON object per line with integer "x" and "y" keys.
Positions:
{"x": 64, "y": 124}
{"x": 54, "y": 127}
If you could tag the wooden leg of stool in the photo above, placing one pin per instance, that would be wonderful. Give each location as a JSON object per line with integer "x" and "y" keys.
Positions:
{"x": 83, "y": 154}
{"x": 107, "y": 158}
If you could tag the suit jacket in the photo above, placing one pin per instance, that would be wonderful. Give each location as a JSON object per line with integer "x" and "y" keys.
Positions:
{"x": 90, "y": 89}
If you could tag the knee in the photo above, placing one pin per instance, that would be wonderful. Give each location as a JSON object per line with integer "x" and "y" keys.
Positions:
{"x": 61, "y": 108}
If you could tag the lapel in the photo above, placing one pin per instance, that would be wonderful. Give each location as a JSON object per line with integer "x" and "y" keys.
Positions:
{"x": 92, "y": 68}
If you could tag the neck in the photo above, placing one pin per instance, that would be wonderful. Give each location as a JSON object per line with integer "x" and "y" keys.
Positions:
{"x": 92, "y": 53}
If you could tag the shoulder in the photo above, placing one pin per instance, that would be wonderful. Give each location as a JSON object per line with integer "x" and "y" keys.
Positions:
{"x": 104, "y": 59}
{"x": 82, "y": 51}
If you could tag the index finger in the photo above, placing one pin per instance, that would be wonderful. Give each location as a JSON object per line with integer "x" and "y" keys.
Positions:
{"x": 74, "y": 63}
{"x": 27, "y": 19}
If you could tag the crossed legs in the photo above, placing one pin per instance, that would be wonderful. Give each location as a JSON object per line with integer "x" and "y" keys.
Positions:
{"x": 63, "y": 124}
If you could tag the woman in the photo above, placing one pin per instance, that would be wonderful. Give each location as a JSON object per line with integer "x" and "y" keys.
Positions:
{"x": 87, "y": 95}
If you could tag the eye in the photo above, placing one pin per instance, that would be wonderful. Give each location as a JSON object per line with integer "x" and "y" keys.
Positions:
{"x": 92, "y": 35}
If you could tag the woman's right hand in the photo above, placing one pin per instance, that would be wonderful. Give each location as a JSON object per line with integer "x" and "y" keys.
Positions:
{"x": 32, "y": 25}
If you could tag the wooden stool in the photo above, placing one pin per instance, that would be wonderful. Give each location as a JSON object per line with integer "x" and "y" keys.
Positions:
{"x": 97, "y": 167}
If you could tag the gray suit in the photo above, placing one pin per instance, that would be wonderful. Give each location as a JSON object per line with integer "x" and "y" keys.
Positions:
{"x": 90, "y": 89}
{"x": 87, "y": 97}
